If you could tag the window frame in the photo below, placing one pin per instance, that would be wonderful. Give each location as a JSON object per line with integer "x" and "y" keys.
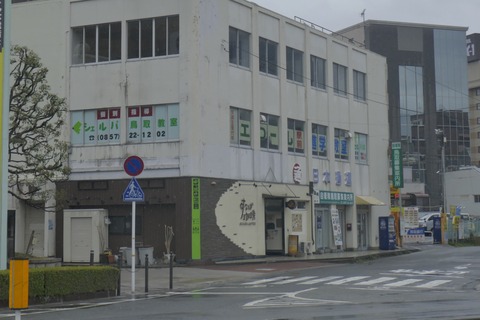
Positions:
{"x": 340, "y": 79}
{"x": 318, "y": 66}
{"x": 319, "y": 140}
{"x": 236, "y": 125}
{"x": 296, "y": 136}
{"x": 341, "y": 144}
{"x": 95, "y": 121}
{"x": 361, "y": 140}
{"x": 150, "y": 38}
{"x": 269, "y": 132}
{"x": 295, "y": 65}
{"x": 153, "y": 123}
{"x": 238, "y": 55}
{"x": 80, "y": 42}
{"x": 359, "y": 85}
{"x": 268, "y": 56}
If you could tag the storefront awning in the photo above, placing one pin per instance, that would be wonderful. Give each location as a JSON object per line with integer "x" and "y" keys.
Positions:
{"x": 368, "y": 200}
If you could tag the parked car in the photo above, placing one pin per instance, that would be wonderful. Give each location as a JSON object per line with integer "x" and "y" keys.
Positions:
{"x": 426, "y": 221}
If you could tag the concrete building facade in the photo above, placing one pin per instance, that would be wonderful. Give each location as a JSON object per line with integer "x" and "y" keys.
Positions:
{"x": 256, "y": 131}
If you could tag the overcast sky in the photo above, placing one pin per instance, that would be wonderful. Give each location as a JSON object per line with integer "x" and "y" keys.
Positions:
{"x": 338, "y": 14}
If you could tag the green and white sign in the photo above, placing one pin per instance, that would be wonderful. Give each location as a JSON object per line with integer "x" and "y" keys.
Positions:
{"x": 397, "y": 165}
{"x": 196, "y": 244}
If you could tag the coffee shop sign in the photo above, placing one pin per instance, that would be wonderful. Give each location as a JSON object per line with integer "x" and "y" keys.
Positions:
{"x": 247, "y": 216}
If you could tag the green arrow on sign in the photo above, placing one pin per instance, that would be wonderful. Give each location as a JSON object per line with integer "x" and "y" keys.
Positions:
{"x": 77, "y": 127}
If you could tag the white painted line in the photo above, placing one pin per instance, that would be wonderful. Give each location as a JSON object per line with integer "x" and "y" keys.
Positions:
{"x": 346, "y": 280}
{"x": 294, "y": 280}
{"x": 433, "y": 283}
{"x": 314, "y": 281}
{"x": 375, "y": 281}
{"x": 402, "y": 283}
{"x": 262, "y": 281}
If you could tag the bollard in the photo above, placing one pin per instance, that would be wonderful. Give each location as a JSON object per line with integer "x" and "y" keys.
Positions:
{"x": 171, "y": 269}
{"x": 146, "y": 273}
{"x": 91, "y": 257}
{"x": 119, "y": 265}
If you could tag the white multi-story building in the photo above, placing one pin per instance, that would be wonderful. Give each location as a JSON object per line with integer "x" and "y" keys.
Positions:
{"x": 238, "y": 114}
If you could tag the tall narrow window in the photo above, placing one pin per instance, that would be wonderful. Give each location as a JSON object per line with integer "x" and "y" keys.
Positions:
{"x": 319, "y": 140}
{"x": 239, "y": 47}
{"x": 317, "y": 72}
{"x": 294, "y": 65}
{"x": 269, "y": 131}
{"x": 359, "y": 91}
{"x": 268, "y": 51}
{"x": 296, "y": 136}
{"x": 361, "y": 148}
{"x": 340, "y": 79}
{"x": 341, "y": 143}
{"x": 240, "y": 126}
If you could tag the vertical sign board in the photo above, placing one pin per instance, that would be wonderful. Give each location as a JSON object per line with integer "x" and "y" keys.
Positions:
{"x": 4, "y": 100}
{"x": 337, "y": 229}
{"x": 18, "y": 291}
{"x": 397, "y": 165}
{"x": 196, "y": 244}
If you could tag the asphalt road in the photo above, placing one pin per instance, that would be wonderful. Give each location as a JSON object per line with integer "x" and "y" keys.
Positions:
{"x": 440, "y": 282}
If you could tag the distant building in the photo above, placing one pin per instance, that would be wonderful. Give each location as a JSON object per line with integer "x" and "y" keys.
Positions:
{"x": 255, "y": 130}
{"x": 427, "y": 89}
{"x": 473, "y": 55}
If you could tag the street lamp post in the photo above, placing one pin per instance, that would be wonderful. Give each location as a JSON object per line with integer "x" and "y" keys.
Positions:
{"x": 442, "y": 139}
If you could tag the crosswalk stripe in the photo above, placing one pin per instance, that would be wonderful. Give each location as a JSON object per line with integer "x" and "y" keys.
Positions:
{"x": 346, "y": 280}
{"x": 294, "y": 280}
{"x": 314, "y": 281}
{"x": 402, "y": 283}
{"x": 375, "y": 281}
{"x": 433, "y": 283}
{"x": 262, "y": 281}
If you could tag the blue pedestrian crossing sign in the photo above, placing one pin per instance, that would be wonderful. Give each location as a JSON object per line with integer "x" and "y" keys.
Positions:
{"x": 133, "y": 192}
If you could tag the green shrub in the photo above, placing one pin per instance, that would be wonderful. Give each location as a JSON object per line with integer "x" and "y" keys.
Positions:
{"x": 64, "y": 281}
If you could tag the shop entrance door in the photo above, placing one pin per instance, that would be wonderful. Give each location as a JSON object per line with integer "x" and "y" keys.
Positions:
{"x": 274, "y": 226}
{"x": 362, "y": 217}
{"x": 323, "y": 230}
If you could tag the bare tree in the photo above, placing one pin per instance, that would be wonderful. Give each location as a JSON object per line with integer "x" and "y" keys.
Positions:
{"x": 37, "y": 156}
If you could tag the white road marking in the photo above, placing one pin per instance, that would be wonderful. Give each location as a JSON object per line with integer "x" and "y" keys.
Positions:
{"x": 432, "y": 284}
{"x": 262, "y": 281}
{"x": 375, "y": 281}
{"x": 346, "y": 280}
{"x": 314, "y": 281}
{"x": 293, "y": 280}
{"x": 402, "y": 283}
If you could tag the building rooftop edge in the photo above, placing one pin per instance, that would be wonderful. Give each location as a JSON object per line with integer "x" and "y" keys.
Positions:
{"x": 402, "y": 24}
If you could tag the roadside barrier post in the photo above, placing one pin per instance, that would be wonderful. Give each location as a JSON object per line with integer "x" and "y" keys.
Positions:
{"x": 119, "y": 265}
{"x": 18, "y": 290}
{"x": 146, "y": 273}
{"x": 91, "y": 257}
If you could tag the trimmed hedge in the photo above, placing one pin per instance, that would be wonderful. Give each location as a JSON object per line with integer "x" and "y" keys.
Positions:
{"x": 58, "y": 282}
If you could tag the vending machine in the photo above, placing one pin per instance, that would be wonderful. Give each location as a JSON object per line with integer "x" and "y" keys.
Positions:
{"x": 386, "y": 233}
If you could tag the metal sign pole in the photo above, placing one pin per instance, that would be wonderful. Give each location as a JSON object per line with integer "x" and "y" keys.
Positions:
{"x": 133, "y": 247}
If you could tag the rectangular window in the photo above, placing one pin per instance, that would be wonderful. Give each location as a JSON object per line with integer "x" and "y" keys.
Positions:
{"x": 340, "y": 79}
{"x": 97, "y": 43}
{"x": 361, "y": 148}
{"x": 153, "y": 37}
{"x": 477, "y": 91}
{"x": 268, "y": 51}
{"x": 478, "y": 106}
{"x": 239, "y": 47}
{"x": 296, "y": 136}
{"x": 122, "y": 225}
{"x": 240, "y": 126}
{"x": 269, "y": 131}
{"x": 319, "y": 140}
{"x": 341, "y": 143}
{"x": 359, "y": 91}
{"x": 478, "y": 120}
{"x": 476, "y": 198}
{"x": 478, "y": 135}
{"x": 100, "y": 126}
{"x": 294, "y": 65}
{"x": 317, "y": 72}
{"x": 153, "y": 123}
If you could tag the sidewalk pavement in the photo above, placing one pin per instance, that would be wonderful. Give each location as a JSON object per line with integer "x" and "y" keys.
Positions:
{"x": 187, "y": 278}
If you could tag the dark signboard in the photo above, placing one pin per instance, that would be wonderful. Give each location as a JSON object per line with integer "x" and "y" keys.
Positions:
{"x": 473, "y": 47}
